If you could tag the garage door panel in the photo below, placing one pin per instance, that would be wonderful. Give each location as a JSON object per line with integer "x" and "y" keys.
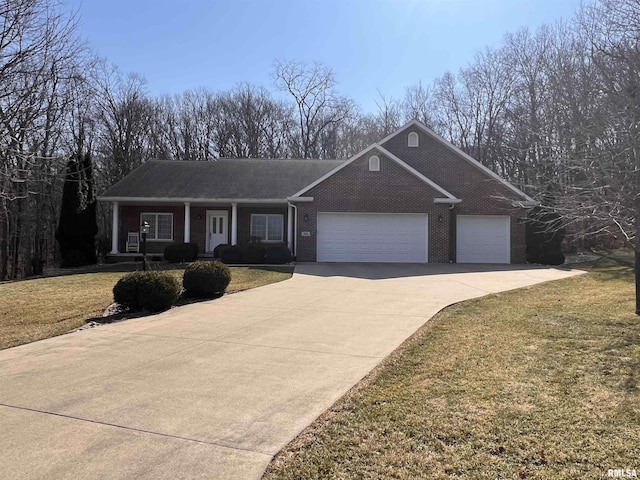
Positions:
{"x": 483, "y": 239}
{"x": 358, "y": 237}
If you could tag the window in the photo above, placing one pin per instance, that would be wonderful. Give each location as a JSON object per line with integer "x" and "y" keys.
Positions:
{"x": 413, "y": 139}
{"x": 267, "y": 228}
{"x": 374, "y": 163}
{"x": 160, "y": 225}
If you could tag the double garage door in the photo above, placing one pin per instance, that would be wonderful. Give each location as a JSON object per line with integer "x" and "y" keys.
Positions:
{"x": 372, "y": 237}
{"x": 403, "y": 238}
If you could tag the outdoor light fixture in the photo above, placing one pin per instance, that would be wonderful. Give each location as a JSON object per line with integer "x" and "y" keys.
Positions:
{"x": 144, "y": 229}
{"x": 306, "y": 217}
{"x": 440, "y": 217}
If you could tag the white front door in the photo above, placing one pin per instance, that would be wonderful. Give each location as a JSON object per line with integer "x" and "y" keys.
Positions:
{"x": 217, "y": 225}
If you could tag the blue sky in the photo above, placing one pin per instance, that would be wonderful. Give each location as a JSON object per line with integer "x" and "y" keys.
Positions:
{"x": 371, "y": 45}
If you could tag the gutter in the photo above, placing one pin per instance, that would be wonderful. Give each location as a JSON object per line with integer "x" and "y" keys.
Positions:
{"x": 191, "y": 200}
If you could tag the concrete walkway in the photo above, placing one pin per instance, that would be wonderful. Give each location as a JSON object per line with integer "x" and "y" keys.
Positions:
{"x": 215, "y": 389}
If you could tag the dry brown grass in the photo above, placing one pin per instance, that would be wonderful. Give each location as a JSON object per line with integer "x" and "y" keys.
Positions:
{"x": 535, "y": 383}
{"x": 31, "y": 310}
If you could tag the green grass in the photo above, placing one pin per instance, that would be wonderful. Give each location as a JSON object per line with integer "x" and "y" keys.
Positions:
{"x": 31, "y": 310}
{"x": 535, "y": 383}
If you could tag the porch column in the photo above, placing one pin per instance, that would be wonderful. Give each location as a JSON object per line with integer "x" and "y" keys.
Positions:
{"x": 115, "y": 217}
{"x": 234, "y": 224}
{"x": 187, "y": 222}
{"x": 290, "y": 227}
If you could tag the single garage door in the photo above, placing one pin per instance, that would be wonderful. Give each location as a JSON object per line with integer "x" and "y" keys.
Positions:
{"x": 372, "y": 237}
{"x": 483, "y": 239}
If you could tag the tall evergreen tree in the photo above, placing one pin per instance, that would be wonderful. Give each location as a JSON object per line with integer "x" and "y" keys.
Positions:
{"x": 77, "y": 226}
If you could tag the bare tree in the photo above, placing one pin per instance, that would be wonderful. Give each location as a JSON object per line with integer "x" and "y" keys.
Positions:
{"x": 469, "y": 107}
{"x": 124, "y": 114}
{"x": 388, "y": 117}
{"x": 318, "y": 104}
{"x": 257, "y": 126}
{"x": 418, "y": 104}
{"x": 609, "y": 173}
{"x": 451, "y": 111}
{"x": 38, "y": 53}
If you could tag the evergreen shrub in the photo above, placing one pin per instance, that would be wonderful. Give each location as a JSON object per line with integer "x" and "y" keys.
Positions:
{"x": 277, "y": 254}
{"x": 181, "y": 252}
{"x": 229, "y": 253}
{"x": 204, "y": 279}
{"x": 253, "y": 253}
{"x": 148, "y": 290}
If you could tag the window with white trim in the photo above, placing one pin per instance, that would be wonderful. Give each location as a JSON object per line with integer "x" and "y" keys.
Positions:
{"x": 374, "y": 163}
{"x": 160, "y": 225}
{"x": 413, "y": 139}
{"x": 267, "y": 227}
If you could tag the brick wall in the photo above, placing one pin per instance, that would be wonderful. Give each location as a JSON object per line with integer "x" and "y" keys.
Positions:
{"x": 390, "y": 190}
{"x": 394, "y": 190}
{"x": 244, "y": 221}
{"x": 480, "y": 194}
{"x": 130, "y": 222}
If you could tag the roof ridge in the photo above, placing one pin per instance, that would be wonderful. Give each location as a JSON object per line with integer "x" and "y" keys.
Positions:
{"x": 283, "y": 159}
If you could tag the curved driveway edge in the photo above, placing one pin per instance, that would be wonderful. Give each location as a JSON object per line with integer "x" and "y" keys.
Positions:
{"x": 215, "y": 389}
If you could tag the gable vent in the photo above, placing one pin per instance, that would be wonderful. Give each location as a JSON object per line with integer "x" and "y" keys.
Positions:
{"x": 374, "y": 163}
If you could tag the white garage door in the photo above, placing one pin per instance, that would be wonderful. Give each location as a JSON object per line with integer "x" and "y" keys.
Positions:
{"x": 375, "y": 237}
{"x": 483, "y": 239}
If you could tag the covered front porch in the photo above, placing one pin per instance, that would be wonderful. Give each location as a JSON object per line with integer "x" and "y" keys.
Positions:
{"x": 207, "y": 224}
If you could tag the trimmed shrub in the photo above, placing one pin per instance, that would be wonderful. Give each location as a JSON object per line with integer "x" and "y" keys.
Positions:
{"x": 551, "y": 258}
{"x": 277, "y": 254}
{"x": 219, "y": 248}
{"x": 150, "y": 290}
{"x": 181, "y": 252}
{"x": 544, "y": 235}
{"x": 205, "y": 279}
{"x": 253, "y": 253}
{"x": 229, "y": 253}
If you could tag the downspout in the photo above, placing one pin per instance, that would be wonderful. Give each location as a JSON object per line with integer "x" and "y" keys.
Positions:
{"x": 452, "y": 234}
{"x": 295, "y": 228}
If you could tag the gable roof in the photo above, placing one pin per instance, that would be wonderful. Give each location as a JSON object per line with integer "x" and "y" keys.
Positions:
{"x": 265, "y": 180}
{"x": 388, "y": 154}
{"x": 415, "y": 123}
{"x": 262, "y": 179}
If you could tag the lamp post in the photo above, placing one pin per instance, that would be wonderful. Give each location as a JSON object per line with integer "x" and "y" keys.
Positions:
{"x": 144, "y": 229}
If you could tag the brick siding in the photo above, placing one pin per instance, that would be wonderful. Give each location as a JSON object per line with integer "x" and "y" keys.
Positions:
{"x": 130, "y": 222}
{"x": 356, "y": 189}
{"x": 391, "y": 190}
{"x": 480, "y": 193}
{"x": 395, "y": 190}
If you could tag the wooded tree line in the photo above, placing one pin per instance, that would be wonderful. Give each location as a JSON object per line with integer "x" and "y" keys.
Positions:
{"x": 555, "y": 111}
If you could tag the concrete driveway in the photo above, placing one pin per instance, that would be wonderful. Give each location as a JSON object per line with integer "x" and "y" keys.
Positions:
{"x": 214, "y": 390}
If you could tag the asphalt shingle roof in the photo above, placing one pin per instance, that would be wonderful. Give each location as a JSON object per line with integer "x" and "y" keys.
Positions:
{"x": 224, "y": 178}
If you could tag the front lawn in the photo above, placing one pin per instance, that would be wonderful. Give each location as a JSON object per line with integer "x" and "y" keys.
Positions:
{"x": 535, "y": 383}
{"x": 35, "y": 309}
